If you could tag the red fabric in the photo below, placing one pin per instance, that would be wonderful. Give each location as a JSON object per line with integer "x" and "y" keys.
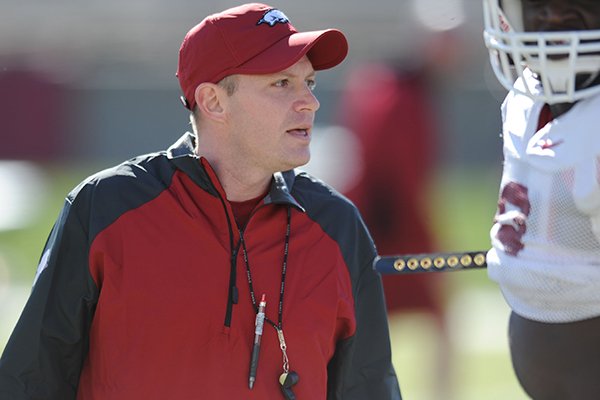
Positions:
{"x": 545, "y": 117}
{"x": 391, "y": 116}
{"x": 243, "y": 209}
{"x": 195, "y": 346}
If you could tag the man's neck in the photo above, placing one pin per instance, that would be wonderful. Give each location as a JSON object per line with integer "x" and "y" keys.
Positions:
{"x": 560, "y": 108}
{"x": 238, "y": 182}
{"x": 240, "y": 186}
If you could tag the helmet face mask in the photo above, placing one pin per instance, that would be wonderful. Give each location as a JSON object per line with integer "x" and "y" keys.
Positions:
{"x": 565, "y": 64}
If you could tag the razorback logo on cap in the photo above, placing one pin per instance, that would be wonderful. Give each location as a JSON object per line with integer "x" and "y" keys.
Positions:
{"x": 272, "y": 17}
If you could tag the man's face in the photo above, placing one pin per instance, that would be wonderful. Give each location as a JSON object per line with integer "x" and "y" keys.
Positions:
{"x": 271, "y": 117}
{"x": 560, "y": 15}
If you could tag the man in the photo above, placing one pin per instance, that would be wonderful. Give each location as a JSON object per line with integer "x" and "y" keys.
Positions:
{"x": 546, "y": 236}
{"x": 149, "y": 285}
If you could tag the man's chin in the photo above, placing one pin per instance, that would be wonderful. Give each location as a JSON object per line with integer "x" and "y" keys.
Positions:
{"x": 298, "y": 161}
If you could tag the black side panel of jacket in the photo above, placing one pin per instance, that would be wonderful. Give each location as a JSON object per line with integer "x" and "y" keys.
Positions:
{"x": 361, "y": 367}
{"x": 44, "y": 355}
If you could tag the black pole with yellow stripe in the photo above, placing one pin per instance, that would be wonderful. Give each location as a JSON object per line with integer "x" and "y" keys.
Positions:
{"x": 430, "y": 262}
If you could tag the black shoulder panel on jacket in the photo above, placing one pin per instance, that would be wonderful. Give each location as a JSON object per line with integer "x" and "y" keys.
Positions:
{"x": 338, "y": 217}
{"x": 106, "y": 195}
{"x": 361, "y": 367}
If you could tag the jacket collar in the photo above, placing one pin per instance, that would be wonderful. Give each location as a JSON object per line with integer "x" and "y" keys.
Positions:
{"x": 182, "y": 155}
{"x": 281, "y": 187}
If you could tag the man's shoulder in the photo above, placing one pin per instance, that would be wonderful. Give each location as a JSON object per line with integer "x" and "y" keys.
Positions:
{"x": 314, "y": 194}
{"x": 149, "y": 173}
{"x": 321, "y": 190}
{"x": 103, "y": 197}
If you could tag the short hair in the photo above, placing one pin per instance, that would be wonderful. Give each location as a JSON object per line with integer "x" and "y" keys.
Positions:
{"x": 229, "y": 83}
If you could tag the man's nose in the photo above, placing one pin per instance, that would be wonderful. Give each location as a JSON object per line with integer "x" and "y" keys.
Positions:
{"x": 308, "y": 100}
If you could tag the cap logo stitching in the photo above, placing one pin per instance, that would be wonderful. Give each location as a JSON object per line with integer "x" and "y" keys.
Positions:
{"x": 272, "y": 17}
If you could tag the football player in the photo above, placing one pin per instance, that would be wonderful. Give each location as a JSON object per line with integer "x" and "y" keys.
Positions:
{"x": 545, "y": 252}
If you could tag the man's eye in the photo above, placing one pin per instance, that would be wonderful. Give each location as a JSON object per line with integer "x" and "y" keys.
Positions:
{"x": 311, "y": 84}
{"x": 282, "y": 83}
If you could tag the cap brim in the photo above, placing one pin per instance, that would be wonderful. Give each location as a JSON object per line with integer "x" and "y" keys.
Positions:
{"x": 325, "y": 49}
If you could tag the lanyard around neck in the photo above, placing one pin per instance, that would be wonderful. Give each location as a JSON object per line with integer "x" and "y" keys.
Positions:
{"x": 279, "y": 325}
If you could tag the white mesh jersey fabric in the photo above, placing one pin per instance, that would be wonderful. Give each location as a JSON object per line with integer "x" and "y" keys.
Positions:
{"x": 546, "y": 239}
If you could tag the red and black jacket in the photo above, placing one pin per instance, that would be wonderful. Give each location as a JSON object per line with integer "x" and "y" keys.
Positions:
{"x": 142, "y": 292}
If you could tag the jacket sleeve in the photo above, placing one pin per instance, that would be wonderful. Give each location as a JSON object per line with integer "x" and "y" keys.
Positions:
{"x": 362, "y": 367}
{"x": 45, "y": 353}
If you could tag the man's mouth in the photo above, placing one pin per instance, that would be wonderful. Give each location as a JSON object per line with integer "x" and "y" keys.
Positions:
{"x": 301, "y": 132}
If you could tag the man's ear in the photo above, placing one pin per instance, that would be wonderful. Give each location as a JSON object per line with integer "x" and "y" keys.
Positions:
{"x": 208, "y": 99}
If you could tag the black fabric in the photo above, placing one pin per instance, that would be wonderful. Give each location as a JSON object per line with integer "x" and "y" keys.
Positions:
{"x": 346, "y": 227}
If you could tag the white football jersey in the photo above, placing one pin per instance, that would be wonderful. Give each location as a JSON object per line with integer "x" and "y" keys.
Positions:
{"x": 546, "y": 236}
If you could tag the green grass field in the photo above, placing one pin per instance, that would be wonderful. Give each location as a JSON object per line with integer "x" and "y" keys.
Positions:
{"x": 462, "y": 205}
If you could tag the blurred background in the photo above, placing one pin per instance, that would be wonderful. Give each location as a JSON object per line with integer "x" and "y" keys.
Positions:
{"x": 408, "y": 128}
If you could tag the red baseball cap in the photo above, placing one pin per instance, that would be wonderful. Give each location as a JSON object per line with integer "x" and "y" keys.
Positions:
{"x": 251, "y": 39}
